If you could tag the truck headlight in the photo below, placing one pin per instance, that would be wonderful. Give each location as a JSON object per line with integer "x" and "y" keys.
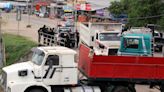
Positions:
{"x": 22, "y": 73}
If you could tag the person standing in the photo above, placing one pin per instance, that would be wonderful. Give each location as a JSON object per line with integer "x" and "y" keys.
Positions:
{"x": 77, "y": 38}
{"x": 45, "y": 31}
{"x": 40, "y": 33}
{"x": 67, "y": 37}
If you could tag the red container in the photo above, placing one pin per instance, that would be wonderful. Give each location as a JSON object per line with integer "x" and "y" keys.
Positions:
{"x": 120, "y": 67}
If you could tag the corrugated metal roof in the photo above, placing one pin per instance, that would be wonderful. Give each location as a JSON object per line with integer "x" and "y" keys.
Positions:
{"x": 99, "y": 4}
{"x": 104, "y": 3}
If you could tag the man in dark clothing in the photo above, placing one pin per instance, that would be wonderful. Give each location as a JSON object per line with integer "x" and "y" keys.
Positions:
{"x": 52, "y": 33}
{"x": 77, "y": 38}
{"x": 40, "y": 33}
{"x": 50, "y": 36}
{"x": 45, "y": 32}
{"x": 67, "y": 36}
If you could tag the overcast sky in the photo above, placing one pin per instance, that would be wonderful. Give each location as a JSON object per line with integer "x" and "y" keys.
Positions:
{"x": 101, "y": 2}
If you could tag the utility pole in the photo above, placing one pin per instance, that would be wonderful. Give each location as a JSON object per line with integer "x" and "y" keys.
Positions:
{"x": 29, "y": 12}
{"x": 75, "y": 14}
{"x": 18, "y": 18}
{"x": 2, "y": 48}
{"x": 0, "y": 26}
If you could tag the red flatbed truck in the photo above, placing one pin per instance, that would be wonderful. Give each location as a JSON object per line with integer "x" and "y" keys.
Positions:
{"x": 121, "y": 73}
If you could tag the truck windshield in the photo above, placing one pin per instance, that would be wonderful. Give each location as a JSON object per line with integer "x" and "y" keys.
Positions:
{"x": 109, "y": 37}
{"x": 37, "y": 57}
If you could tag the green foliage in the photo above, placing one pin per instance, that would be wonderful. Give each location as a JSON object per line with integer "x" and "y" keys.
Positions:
{"x": 15, "y": 47}
{"x": 161, "y": 23}
{"x": 139, "y": 11}
{"x": 144, "y": 8}
{"x": 116, "y": 8}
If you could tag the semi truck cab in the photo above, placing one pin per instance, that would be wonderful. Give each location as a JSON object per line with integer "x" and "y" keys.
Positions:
{"x": 48, "y": 66}
{"x": 107, "y": 42}
{"x": 136, "y": 45}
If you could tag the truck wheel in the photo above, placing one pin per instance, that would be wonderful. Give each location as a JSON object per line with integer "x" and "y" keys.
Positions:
{"x": 121, "y": 89}
{"x": 162, "y": 88}
{"x": 132, "y": 88}
{"x": 36, "y": 90}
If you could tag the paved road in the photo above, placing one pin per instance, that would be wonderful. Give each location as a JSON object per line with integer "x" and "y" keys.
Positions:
{"x": 11, "y": 25}
{"x": 31, "y": 33}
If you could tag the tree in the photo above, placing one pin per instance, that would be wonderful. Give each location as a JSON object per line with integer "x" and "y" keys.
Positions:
{"x": 116, "y": 8}
{"x": 140, "y": 12}
{"x": 161, "y": 21}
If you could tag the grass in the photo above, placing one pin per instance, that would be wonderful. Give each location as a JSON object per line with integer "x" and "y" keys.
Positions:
{"x": 16, "y": 46}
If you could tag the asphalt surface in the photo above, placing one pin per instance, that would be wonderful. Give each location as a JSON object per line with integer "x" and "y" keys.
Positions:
{"x": 10, "y": 26}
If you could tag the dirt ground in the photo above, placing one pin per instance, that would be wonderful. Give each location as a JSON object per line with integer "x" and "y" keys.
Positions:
{"x": 12, "y": 27}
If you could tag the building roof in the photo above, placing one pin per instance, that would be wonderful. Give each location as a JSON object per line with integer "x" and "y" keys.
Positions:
{"x": 102, "y": 3}
{"x": 99, "y": 4}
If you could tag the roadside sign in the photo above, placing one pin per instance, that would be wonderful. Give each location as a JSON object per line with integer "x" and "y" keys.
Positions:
{"x": 86, "y": 7}
{"x": 78, "y": 7}
{"x": 18, "y": 16}
{"x": 67, "y": 8}
{"x": 100, "y": 12}
{"x": 37, "y": 7}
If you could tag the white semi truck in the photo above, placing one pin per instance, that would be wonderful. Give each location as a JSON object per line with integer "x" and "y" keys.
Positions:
{"x": 54, "y": 69}
{"x": 51, "y": 69}
{"x": 102, "y": 37}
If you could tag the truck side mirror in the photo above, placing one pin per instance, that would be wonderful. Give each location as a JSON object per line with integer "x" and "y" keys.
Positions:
{"x": 101, "y": 46}
{"x": 50, "y": 63}
{"x": 96, "y": 35}
{"x": 92, "y": 38}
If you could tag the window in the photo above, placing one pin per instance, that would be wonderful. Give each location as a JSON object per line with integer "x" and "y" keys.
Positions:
{"x": 131, "y": 43}
{"x": 37, "y": 57}
{"x": 109, "y": 37}
{"x": 54, "y": 59}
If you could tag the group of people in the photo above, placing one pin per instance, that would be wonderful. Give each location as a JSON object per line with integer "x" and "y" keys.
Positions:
{"x": 46, "y": 36}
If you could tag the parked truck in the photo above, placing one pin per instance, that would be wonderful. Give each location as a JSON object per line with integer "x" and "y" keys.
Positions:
{"x": 55, "y": 69}
{"x": 66, "y": 36}
{"x": 63, "y": 36}
{"x": 139, "y": 41}
{"x": 6, "y": 6}
{"x": 102, "y": 37}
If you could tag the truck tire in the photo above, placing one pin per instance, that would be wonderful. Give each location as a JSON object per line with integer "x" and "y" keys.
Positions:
{"x": 132, "y": 88}
{"x": 121, "y": 89}
{"x": 162, "y": 88}
{"x": 36, "y": 90}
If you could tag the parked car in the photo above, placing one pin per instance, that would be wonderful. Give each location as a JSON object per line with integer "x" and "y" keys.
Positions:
{"x": 44, "y": 15}
{"x": 67, "y": 16}
{"x": 69, "y": 23}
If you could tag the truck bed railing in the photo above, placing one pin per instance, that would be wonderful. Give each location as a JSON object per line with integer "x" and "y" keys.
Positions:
{"x": 47, "y": 39}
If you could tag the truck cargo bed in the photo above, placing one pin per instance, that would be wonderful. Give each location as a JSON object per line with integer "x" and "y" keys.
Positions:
{"x": 120, "y": 67}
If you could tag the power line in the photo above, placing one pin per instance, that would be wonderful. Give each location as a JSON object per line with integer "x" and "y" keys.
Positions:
{"x": 147, "y": 17}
